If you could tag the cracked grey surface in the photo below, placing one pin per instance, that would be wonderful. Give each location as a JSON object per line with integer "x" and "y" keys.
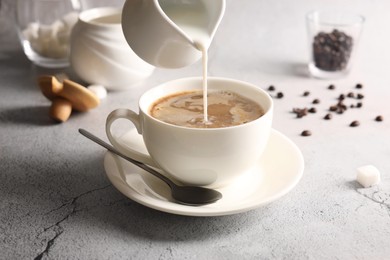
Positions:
{"x": 57, "y": 203}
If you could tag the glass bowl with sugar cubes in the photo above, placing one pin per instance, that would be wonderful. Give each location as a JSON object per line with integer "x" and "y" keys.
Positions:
{"x": 44, "y": 28}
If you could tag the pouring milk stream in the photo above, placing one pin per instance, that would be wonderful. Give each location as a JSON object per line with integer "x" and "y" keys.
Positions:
{"x": 193, "y": 21}
{"x": 173, "y": 33}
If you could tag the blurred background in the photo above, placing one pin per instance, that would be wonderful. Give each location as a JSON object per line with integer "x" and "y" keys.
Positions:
{"x": 8, "y": 35}
{"x": 276, "y": 29}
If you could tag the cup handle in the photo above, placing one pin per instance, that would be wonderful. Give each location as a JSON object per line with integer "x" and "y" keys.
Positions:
{"x": 135, "y": 119}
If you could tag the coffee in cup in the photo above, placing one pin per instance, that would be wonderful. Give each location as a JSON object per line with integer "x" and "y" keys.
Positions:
{"x": 225, "y": 108}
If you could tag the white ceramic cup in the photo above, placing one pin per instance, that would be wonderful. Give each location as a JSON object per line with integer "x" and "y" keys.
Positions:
{"x": 211, "y": 157}
{"x": 100, "y": 53}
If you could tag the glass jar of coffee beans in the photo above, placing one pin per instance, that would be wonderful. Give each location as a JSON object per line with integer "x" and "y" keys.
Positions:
{"x": 333, "y": 39}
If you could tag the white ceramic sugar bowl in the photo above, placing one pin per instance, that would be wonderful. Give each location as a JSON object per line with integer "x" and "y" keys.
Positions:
{"x": 100, "y": 53}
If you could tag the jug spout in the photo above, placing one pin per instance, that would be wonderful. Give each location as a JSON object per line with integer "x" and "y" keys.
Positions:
{"x": 167, "y": 33}
{"x": 196, "y": 20}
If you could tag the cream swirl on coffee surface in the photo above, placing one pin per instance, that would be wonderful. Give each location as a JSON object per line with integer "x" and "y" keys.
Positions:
{"x": 224, "y": 109}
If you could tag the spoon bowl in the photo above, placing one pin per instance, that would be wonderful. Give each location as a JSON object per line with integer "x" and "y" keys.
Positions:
{"x": 187, "y": 195}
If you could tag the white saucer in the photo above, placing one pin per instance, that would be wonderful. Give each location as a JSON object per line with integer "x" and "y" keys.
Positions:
{"x": 277, "y": 172}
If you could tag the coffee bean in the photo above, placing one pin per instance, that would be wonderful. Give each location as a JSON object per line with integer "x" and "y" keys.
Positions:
{"x": 316, "y": 101}
{"x": 352, "y": 106}
{"x": 341, "y": 97}
{"x": 306, "y": 133}
{"x": 306, "y": 93}
{"x": 340, "y": 111}
{"x": 341, "y": 105}
{"x": 359, "y": 104}
{"x": 379, "y": 118}
{"x": 279, "y": 95}
{"x": 328, "y": 116}
{"x": 354, "y": 123}
{"x": 360, "y": 96}
{"x": 312, "y": 110}
{"x": 300, "y": 112}
{"x": 351, "y": 95}
{"x": 331, "y": 86}
{"x": 271, "y": 88}
{"x": 359, "y": 86}
{"x": 339, "y": 108}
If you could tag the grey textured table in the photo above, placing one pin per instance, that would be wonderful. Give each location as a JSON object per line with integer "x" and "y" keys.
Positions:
{"x": 57, "y": 203}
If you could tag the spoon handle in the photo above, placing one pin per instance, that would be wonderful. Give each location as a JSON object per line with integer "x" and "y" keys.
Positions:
{"x": 115, "y": 151}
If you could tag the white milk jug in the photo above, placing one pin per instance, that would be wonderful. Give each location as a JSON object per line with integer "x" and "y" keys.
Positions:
{"x": 167, "y": 33}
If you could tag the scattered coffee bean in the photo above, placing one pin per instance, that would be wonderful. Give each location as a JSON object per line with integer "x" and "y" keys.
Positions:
{"x": 306, "y": 133}
{"x": 354, "y": 123}
{"x": 341, "y": 105}
{"x": 339, "y": 108}
{"x": 359, "y": 86}
{"x": 331, "y": 51}
{"x": 328, "y": 116}
{"x": 271, "y": 88}
{"x": 300, "y": 112}
{"x": 340, "y": 111}
{"x": 379, "y": 118}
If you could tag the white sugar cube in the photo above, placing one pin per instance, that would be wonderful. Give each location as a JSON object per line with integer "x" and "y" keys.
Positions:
{"x": 70, "y": 19}
{"x": 45, "y": 31}
{"x": 63, "y": 36}
{"x": 99, "y": 90}
{"x": 57, "y": 50}
{"x": 36, "y": 45}
{"x": 368, "y": 176}
{"x": 31, "y": 32}
{"x": 57, "y": 27}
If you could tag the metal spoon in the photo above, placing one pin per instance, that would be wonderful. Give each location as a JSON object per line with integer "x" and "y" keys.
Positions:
{"x": 189, "y": 195}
